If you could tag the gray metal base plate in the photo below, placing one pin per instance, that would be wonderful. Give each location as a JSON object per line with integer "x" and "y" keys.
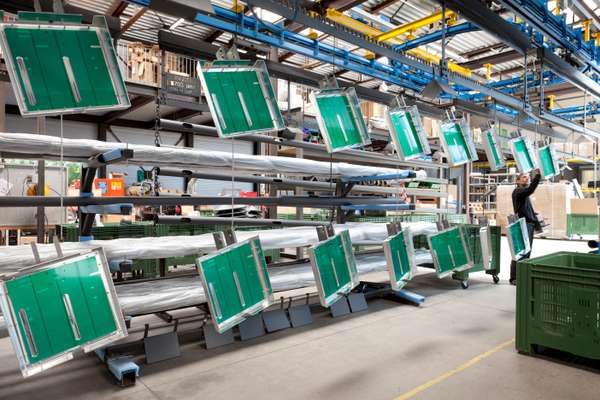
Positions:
{"x": 215, "y": 339}
{"x": 161, "y": 347}
{"x": 339, "y": 308}
{"x": 300, "y": 315}
{"x": 358, "y": 302}
{"x": 252, "y": 327}
{"x": 275, "y": 320}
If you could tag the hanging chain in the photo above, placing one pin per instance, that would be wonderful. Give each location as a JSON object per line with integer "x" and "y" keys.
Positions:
{"x": 157, "y": 120}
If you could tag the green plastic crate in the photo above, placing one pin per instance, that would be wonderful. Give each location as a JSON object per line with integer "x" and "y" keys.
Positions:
{"x": 583, "y": 224}
{"x": 558, "y": 304}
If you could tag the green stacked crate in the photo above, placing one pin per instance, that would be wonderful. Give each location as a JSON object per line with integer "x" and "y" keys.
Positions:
{"x": 558, "y": 303}
{"x": 581, "y": 224}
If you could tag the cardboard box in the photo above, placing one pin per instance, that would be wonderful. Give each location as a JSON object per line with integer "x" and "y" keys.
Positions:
{"x": 584, "y": 206}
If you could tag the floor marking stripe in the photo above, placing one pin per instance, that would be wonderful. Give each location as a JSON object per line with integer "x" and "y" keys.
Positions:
{"x": 454, "y": 371}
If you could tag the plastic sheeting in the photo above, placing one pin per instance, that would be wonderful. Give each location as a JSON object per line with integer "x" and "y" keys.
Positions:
{"x": 82, "y": 149}
{"x": 167, "y": 294}
{"x": 13, "y": 258}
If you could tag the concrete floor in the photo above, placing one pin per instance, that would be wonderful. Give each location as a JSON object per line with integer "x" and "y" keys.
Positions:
{"x": 383, "y": 353}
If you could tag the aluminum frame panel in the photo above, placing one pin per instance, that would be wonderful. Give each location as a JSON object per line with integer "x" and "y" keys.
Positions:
{"x": 400, "y": 257}
{"x": 524, "y": 154}
{"x": 334, "y": 268}
{"x": 236, "y": 283}
{"x": 407, "y": 132}
{"x": 493, "y": 150}
{"x": 457, "y": 142}
{"x": 62, "y": 68}
{"x": 65, "y": 306}
{"x": 518, "y": 239}
{"x": 487, "y": 252}
{"x": 450, "y": 251}
{"x": 240, "y": 97}
{"x": 548, "y": 161}
{"x": 340, "y": 119}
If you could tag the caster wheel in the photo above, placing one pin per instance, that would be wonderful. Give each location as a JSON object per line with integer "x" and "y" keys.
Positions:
{"x": 496, "y": 279}
{"x": 464, "y": 284}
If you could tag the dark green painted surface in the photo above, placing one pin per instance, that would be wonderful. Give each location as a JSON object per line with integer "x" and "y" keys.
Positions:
{"x": 397, "y": 253}
{"x": 523, "y": 156}
{"x": 406, "y": 134}
{"x": 48, "y": 17}
{"x": 40, "y": 297}
{"x": 233, "y": 281}
{"x": 496, "y": 156}
{"x": 582, "y": 224}
{"x": 449, "y": 251}
{"x": 547, "y": 162}
{"x": 457, "y": 145}
{"x": 42, "y": 51}
{"x": 230, "y": 90}
{"x": 335, "y": 267}
{"x": 558, "y": 304}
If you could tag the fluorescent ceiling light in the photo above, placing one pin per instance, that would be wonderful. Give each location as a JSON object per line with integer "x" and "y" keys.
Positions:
{"x": 176, "y": 24}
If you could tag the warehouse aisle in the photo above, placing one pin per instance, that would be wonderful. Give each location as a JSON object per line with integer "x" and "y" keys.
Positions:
{"x": 456, "y": 346}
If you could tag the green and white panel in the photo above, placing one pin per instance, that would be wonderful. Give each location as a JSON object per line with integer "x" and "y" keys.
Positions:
{"x": 548, "y": 162}
{"x": 400, "y": 257}
{"x": 407, "y": 132}
{"x": 62, "y": 68}
{"x": 518, "y": 239}
{"x": 334, "y": 267}
{"x": 487, "y": 251}
{"x": 58, "y": 308}
{"x": 493, "y": 150}
{"x": 450, "y": 251}
{"x": 457, "y": 142}
{"x": 240, "y": 97}
{"x": 524, "y": 154}
{"x": 340, "y": 119}
{"x": 236, "y": 283}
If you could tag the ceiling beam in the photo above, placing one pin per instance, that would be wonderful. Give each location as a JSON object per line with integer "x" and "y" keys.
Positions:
{"x": 483, "y": 50}
{"x": 380, "y": 6}
{"x": 134, "y": 18}
{"x": 118, "y": 8}
{"x": 137, "y": 103}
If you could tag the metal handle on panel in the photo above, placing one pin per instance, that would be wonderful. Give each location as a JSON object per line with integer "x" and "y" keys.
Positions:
{"x": 451, "y": 256}
{"x": 337, "y": 281}
{"x": 339, "y": 119}
{"x": 218, "y": 109}
{"x": 72, "y": 81}
{"x": 71, "y": 315}
{"x": 259, "y": 270}
{"x": 245, "y": 109}
{"x": 239, "y": 288}
{"x": 211, "y": 289}
{"x": 28, "y": 333}
{"x": 26, "y": 80}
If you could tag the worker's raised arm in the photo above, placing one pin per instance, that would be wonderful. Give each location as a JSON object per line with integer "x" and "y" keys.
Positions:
{"x": 528, "y": 191}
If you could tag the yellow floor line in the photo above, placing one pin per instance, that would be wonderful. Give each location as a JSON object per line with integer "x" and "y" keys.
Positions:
{"x": 454, "y": 371}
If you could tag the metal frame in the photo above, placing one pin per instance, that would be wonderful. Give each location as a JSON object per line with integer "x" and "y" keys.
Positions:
{"x": 352, "y": 270}
{"x": 350, "y": 94}
{"x": 491, "y": 145}
{"x": 487, "y": 253}
{"x": 260, "y": 68}
{"x": 99, "y": 25}
{"x": 28, "y": 369}
{"x": 420, "y": 131}
{"x": 470, "y": 262}
{"x": 466, "y": 134}
{"x": 397, "y": 283}
{"x": 550, "y": 148}
{"x": 256, "y": 308}
{"x": 530, "y": 151}
{"x": 527, "y": 246}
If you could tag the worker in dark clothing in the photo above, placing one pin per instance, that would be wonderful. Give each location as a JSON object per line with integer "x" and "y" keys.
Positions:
{"x": 523, "y": 209}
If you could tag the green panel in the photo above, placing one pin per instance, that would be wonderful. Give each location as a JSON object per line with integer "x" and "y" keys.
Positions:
{"x": 493, "y": 150}
{"x": 406, "y": 137}
{"x": 548, "y": 164}
{"x": 340, "y": 119}
{"x": 49, "y": 53}
{"x": 236, "y": 283}
{"x": 241, "y": 98}
{"x": 558, "y": 304}
{"x": 334, "y": 267}
{"x": 518, "y": 240}
{"x": 521, "y": 154}
{"x": 48, "y": 17}
{"x": 457, "y": 143}
{"x": 399, "y": 253}
{"x": 581, "y": 224}
{"x": 450, "y": 252}
{"x": 66, "y": 305}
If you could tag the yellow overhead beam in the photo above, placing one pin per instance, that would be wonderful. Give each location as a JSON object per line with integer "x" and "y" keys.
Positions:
{"x": 488, "y": 71}
{"x": 596, "y": 35}
{"x": 368, "y": 30}
{"x": 551, "y": 102}
{"x": 414, "y": 25}
{"x": 586, "y": 29}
